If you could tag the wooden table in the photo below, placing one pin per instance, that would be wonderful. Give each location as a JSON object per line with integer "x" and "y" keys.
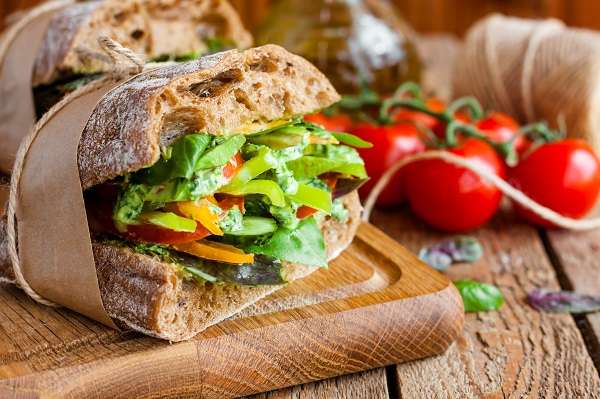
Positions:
{"x": 515, "y": 352}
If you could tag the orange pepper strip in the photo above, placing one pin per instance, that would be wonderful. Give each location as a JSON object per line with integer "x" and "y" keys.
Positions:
{"x": 216, "y": 251}
{"x": 200, "y": 213}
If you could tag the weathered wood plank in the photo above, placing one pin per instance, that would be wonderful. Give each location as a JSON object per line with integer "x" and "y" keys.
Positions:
{"x": 578, "y": 260}
{"x": 369, "y": 384}
{"x": 516, "y": 352}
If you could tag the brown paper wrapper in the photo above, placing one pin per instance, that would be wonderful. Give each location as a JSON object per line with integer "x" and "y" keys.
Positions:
{"x": 55, "y": 247}
{"x": 17, "y": 110}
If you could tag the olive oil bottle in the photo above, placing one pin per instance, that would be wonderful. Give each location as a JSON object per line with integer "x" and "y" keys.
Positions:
{"x": 355, "y": 43}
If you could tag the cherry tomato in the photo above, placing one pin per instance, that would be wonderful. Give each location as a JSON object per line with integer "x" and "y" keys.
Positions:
{"x": 430, "y": 122}
{"x": 390, "y": 144}
{"x": 334, "y": 123}
{"x": 501, "y": 128}
{"x": 234, "y": 164}
{"x": 413, "y": 116}
{"x": 452, "y": 198}
{"x": 563, "y": 176}
{"x": 154, "y": 234}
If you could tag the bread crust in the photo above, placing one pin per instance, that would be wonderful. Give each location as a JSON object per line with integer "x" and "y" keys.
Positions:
{"x": 227, "y": 93}
{"x": 147, "y": 27}
{"x": 145, "y": 294}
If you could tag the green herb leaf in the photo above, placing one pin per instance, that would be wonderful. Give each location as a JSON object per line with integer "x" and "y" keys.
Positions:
{"x": 352, "y": 140}
{"x": 184, "y": 155}
{"x": 304, "y": 245}
{"x": 479, "y": 297}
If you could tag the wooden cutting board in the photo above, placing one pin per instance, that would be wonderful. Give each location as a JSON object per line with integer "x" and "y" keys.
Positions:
{"x": 376, "y": 305}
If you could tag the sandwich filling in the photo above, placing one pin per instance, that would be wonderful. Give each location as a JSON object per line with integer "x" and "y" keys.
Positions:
{"x": 233, "y": 209}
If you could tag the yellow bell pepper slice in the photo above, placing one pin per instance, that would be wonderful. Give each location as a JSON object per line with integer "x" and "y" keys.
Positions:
{"x": 216, "y": 251}
{"x": 200, "y": 212}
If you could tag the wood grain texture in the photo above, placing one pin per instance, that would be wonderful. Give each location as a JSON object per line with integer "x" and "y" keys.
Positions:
{"x": 577, "y": 258}
{"x": 369, "y": 384}
{"x": 516, "y": 352}
{"x": 377, "y": 305}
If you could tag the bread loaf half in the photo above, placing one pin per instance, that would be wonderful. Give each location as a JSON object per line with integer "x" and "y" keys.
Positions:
{"x": 153, "y": 28}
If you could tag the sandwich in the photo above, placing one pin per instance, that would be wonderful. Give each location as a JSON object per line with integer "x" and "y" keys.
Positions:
{"x": 206, "y": 190}
{"x": 161, "y": 30}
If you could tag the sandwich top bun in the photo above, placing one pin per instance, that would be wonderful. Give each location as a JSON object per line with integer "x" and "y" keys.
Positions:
{"x": 151, "y": 27}
{"x": 234, "y": 92}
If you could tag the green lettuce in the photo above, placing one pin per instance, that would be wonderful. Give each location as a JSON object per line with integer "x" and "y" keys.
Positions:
{"x": 304, "y": 245}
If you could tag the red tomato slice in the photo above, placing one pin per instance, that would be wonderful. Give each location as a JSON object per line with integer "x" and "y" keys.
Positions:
{"x": 305, "y": 211}
{"x": 226, "y": 202}
{"x": 158, "y": 235}
{"x": 233, "y": 166}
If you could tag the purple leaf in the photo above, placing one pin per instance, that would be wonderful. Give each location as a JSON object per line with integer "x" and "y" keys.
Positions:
{"x": 346, "y": 186}
{"x": 563, "y": 301}
{"x": 458, "y": 249}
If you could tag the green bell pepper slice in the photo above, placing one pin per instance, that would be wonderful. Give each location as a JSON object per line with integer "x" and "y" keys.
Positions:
{"x": 221, "y": 154}
{"x": 169, "y": 220}
{"x": 253, "y": 168}
{"x": 311, "y": 166}
{"x": 312, "y": 197}
{"x": 265, "y": 187}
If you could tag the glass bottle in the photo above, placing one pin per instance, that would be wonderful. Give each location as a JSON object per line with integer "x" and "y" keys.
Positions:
{"x": 353, "y": 42}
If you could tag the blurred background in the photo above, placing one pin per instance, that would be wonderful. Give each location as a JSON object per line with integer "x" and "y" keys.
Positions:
{"x": 453, "y": 16}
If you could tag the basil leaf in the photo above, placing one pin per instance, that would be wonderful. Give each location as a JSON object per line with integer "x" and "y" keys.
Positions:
{"x": 458, "y": 249}
{"x": 184, "y": 154}
{"x": 563, "y": 301}
{"x": 351, "y": 140}
{"x": 479, "y": 297}
{"x": 304, "y": 245}
{"x": 221, "y": 154}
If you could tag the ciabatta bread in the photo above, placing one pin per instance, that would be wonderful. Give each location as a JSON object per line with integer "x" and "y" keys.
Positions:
{"x": 231, "y": 92}
{"x": 150, "y": 27}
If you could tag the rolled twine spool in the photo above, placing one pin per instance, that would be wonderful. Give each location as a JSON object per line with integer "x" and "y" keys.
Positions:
{"x": 501, "y": 184}
{"x": 534, "y": 70}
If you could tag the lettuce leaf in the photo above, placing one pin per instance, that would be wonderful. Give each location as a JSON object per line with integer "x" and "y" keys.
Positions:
{"x": 181, "y": 160}
{"x": 304, "y": 245}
